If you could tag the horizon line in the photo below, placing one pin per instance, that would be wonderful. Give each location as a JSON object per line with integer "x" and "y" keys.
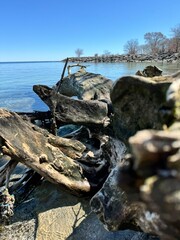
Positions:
{"x": 31, "y": 61}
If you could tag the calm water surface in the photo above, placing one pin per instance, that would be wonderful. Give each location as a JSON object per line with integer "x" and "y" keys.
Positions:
{"x": 17, "y": 79}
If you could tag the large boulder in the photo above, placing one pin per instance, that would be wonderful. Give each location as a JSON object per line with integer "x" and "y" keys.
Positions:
{"x": 137, "y": 102}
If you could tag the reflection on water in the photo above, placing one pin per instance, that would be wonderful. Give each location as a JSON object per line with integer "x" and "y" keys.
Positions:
{"x": 17, "y": 79}
{"x": 18, "y": 104}
{"x": 116, "y": 70}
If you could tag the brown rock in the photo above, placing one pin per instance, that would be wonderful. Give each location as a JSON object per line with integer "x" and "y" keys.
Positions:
{"x": 136, "y": 101}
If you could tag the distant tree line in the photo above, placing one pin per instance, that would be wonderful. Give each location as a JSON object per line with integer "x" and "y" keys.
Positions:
{"x": 155, "y": 43}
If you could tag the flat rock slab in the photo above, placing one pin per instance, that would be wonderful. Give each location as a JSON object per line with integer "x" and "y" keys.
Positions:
{"x": 63, "y": 216}
{"x": 52, "y": 214}
{"x": 58, "y": 213}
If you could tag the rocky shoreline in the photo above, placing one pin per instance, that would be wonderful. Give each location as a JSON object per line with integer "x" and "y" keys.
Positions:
{"x": 165, "y": 57}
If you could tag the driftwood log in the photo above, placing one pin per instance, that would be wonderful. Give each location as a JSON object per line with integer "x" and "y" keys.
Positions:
{"x": 69, "y": 163}
{"x": 85, "y": 85}
{"x": 48, "y": 155}
{"x": 81, "y": 166}
{"x": 68, "y": 110}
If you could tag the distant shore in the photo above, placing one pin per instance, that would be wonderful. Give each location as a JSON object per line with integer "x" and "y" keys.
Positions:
{"x": 165, "y": 57}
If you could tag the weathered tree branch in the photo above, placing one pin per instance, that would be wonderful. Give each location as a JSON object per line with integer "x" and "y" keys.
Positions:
{"x": 80, "y": 167}
{"x": 68, "y": 110}
{"x": 43, "y": 152}
{"x": 85, "y": 85}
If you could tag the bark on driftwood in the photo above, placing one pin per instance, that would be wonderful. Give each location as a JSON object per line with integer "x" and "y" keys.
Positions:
{"x": 50, "y": 156}
{"x": 67, "y": 110}
{"x": 80, "y": 167}
{"x": 85, "y": 85}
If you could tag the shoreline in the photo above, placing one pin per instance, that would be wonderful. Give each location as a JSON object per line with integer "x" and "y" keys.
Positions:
{"x": 166, "y": 57}
{"x": 113, "y": 58}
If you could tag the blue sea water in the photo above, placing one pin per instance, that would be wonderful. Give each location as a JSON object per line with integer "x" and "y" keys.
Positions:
{"x": 18, "y": 78}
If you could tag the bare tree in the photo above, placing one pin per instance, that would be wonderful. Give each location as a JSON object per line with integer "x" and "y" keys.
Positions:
{"x": 107, "y": 53}
{"x": 79, "y": 52}
{"x": 143, "y": 49}
{"x": 131, "y": 47}
{"x": 155, "y": 41}
{"x": 175, "y": 41}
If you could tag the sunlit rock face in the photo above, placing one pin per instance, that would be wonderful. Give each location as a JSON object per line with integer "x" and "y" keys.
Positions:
{"x": 136, "y": 101}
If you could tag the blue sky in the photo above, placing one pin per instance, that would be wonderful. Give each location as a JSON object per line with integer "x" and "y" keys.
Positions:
{"x": 54, "y": 29}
